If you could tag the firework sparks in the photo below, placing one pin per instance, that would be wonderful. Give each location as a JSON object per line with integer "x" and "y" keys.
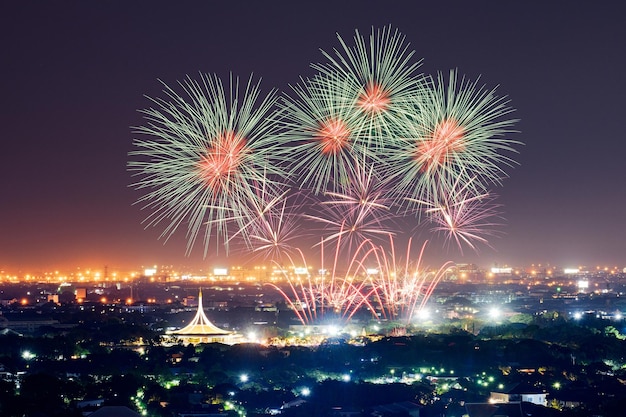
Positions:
{"x": 460, "y": 213}
{"x": 459, "y": 131}
{"x": 361, "y": 212}
{"x": 402, "y": 289}
{"x": 382, "y": 80}
{"x": 206, "y": 155}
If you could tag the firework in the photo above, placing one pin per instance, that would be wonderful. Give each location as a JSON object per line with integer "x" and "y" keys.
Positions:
{"x": 328, "y": 295}
{"x": 346, "y": 114}
{"x": 273, "y": 226}
{"x": 361, "y": 212}
{"x": 323, "y": 131}
{"x": 459, "y": 131}
{"x": 402, "y": 288}
{"x": 462, "y": 215}
{"x": 207, "y": 153}
{"x": 374, "y": 280}
{"x": 382, "y": 78}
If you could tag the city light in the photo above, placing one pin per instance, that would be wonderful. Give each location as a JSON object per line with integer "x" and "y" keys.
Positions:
{"x": 423, "y": 314}
{"x": 28, "y": 355}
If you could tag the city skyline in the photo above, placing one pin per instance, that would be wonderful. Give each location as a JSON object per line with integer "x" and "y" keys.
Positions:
{"x": 76, "y": 78}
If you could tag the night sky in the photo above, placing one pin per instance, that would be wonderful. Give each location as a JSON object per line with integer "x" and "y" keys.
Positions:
{"x": 74, "y": 75}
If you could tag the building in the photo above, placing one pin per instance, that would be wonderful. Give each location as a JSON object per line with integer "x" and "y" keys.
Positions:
{"x": 201, "y": 330}
{"x": 519, "y": 393}
{"x": 114, "y": 411}
{"x": 513, "y": 409}
{"x": 28, "y": 325}
{"x": 404, "y": 409}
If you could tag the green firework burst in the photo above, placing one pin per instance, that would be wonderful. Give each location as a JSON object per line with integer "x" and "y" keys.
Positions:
{"x": 206, "y": 153}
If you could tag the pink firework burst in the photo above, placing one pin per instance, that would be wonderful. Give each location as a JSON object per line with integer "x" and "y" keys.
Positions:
{"x": 322, "y": 129}
{"x": 204, "y": 155}
{"x": 379, "y": 80}
{"x": 359, "y": 213}
{"x": 462, "y": 215}
{"x": 459, "y": 131}
{"x": 273, "y": 226}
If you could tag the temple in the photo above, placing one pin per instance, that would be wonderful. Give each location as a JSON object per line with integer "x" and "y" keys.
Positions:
{"x": 201, "y": 330}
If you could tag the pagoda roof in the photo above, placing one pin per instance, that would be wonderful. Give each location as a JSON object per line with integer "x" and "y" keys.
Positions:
{"x": 201, "y": 325}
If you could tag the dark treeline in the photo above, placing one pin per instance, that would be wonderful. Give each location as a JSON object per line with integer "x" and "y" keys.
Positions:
{"x": 122, "y": 362}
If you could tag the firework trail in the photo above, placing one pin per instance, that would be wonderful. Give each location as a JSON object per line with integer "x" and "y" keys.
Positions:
{"x": 273, "y": 226}
{"x": 333, "y": 294}
{"x": 374, "y": 280}
{"x": 207, "y": 153}
{"x": 463, "y": 215}
{"x": 402, "y": 288}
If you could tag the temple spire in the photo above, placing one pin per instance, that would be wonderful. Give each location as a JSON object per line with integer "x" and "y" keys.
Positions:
{"x": 201, "y": 330}
{"x": 201, "y": 324}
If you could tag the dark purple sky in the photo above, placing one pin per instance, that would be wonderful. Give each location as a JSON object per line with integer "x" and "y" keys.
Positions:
{"x": 74, "y": 74}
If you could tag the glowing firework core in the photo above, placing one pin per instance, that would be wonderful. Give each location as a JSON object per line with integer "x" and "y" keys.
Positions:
{"x": 222, "y": 160}
{"x": 374, "y": 99}
{"x": 448, "y": 137}
{"x": 333, "y": 135}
